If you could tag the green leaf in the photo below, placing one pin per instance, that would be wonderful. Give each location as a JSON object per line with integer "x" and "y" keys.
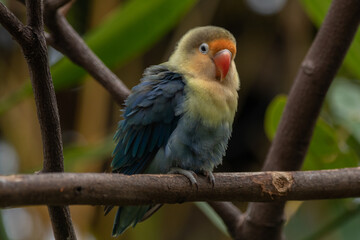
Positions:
{"x": 129, "y": 31}
{"x": 330, "y": 219}
{"x": 3, "y": 234}
{"x": 273, "y": 115}
{"x": 328, "y": 149}
{"x": 344, "y": 104}
{"x": 212, "y": 216}
{"x": 317, "y": 9}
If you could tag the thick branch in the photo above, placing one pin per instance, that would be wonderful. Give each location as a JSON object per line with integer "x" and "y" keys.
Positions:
{"x": 66, "y": 40}
{"x": 98, "y": 188}
{"x": 302, "y": 109}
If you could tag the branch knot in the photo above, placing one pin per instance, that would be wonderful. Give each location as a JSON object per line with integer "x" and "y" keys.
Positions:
{"x": 282, "y": 182}
{"x": 308, "y": 67}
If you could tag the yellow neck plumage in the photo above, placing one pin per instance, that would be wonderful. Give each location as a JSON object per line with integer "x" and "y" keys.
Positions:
{"x": 212, "y": 101}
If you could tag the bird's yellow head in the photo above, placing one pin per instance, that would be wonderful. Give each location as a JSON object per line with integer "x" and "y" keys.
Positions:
{"x": 205, "y": 57}
{"x": 206, "y": 52}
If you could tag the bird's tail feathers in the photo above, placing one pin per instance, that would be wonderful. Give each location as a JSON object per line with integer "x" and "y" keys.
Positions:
{"x": 151, "y": 211}
{"x": 128, "y": 216}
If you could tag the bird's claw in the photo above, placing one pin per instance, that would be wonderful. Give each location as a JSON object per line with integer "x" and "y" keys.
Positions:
{"x": 210, "y": 177}
{"x": 191, "y": 176}
{"x": 187, "y": 173}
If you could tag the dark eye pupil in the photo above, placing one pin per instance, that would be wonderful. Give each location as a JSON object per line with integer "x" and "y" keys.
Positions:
{"x": 204, "y": 48}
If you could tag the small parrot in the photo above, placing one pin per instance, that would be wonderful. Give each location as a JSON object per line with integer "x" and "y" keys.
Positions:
{"x": 179, "y": 118}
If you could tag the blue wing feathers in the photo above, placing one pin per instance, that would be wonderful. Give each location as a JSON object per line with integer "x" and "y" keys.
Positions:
{"x": 161, "y": 135}
{"x": 145, "y": 141}
{"x": 155, "y": 136}
{"x": 137, "y": 142}
{"x": 129, "y": 142}
{"x": 151, "y": 114}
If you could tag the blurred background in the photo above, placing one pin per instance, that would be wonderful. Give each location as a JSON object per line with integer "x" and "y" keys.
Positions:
{"x": 272, "y": 39}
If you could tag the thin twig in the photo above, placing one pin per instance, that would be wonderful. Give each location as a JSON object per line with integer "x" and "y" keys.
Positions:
{"x": 302, "y": 109}
{"x": 14, "y": 26}
{"x": 54, "y": 5}
{"x": 98, "y": 188}
{"x": 66, "y": 40}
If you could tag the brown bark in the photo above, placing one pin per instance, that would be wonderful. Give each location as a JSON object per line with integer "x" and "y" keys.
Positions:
{"x": 98, "y": 188}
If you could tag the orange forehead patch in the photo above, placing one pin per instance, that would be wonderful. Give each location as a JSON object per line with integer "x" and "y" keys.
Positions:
{"x": 220, "y": 44}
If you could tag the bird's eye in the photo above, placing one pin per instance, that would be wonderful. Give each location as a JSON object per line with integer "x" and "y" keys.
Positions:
{"x": 204, "y": 48}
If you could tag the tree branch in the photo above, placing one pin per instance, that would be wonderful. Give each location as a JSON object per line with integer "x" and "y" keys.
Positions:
{"x": 54, "y": 5}
{"x": 32, "y": 41}
{"x": 302, "y": 109}
{"x": 34, "y": 15}
{"x": 48, "y": 114}
{"x": 98, "y": 188}
{"x": 66, "y": 40}
{"x": 14, "y": 26}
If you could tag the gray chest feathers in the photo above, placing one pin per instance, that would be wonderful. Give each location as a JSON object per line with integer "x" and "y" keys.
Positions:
{"x": 196, "y": 146}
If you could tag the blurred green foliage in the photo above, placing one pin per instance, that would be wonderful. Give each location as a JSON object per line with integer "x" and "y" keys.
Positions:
{"x": 344, "y": 104}
{"x": 130, "y": 30}
{"x": 213, "y": 216}
{"x": 3, "y": 234}
{"x": 316, "y": 10}
{"x": 82, "y": 154}
{"x": 330, "y": 220}
{"x": 328, "y": 148}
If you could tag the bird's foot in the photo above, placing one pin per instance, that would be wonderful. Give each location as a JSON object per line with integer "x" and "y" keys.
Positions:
{"x": 210, "y": 177}
{"x": 187, "y": 173}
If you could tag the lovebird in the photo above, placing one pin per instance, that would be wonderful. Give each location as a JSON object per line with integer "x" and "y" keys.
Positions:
{"x": 179, "y": 118}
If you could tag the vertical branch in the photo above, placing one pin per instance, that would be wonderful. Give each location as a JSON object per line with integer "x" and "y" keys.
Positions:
{"x": 47, "y": 111}
{"x": 302, "y": 109}
{"x": 48, "y": 114}
{"x": 61, "y": 222}
{"x": 32, "y": 41}
{"x": 34, "y": 10}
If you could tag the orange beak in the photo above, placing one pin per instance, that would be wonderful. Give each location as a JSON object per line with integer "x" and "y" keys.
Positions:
{"x": 222, "y": 60}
